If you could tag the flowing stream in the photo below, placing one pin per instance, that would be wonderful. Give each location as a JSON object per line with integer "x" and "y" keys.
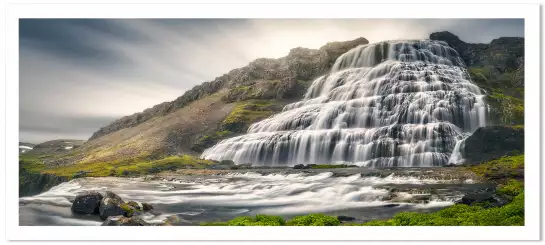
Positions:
{"x": 393, "y": 103}
{"x": 358, "y": 193}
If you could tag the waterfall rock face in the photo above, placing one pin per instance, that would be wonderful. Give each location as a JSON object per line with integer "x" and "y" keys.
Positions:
{"x": 393, "y": 103}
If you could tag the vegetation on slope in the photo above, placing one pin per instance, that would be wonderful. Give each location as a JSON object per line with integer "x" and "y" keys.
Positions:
{"x": 504, "y": 94}
{"x": 239, "y": 120}
{"x": 130, "y": 167}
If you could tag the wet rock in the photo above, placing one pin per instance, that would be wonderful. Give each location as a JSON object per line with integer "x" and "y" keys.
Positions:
{"x": 174, "y": 220}
{"x": 343, "y": 218}
{"x": 134, "y": 205}
{"x": 129, "y": 211}
{"x": 146, "y": 206}
{"x": 124, "y": 221}
{"x": 87, "y": 203}
{"x": 80, "y": 174}
{"x": 110, "y": 205}
{"x": 391, "y": 205}
{"x": 492, "y": 142}
{"x": 299, "y": 166}
{"x": 420, "y": 199}
{"x": 474, "y": 198}
{"x": 486, "y": 198}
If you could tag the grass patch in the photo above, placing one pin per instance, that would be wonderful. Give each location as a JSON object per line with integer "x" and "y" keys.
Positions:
{"x": 314, "y": 220}
{"x": 208, "y": 141}
{"x": 246, "y": 113}
{"x": 506, "y": 167}
{"x": 129, "y": 167}
{"x": 268, "y": 220}
{"x": 31, "y": 163}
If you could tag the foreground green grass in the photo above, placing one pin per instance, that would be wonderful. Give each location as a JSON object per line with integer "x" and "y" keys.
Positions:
{"x": 115, "y": 168}
{"x": 504, "y": 168}
{"x": 268, "y": 220}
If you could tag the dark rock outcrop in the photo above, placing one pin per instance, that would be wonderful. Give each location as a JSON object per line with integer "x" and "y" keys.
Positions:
{"x": 174, "y": 220}
{"x": 492, "y": 142}
{"x": 32, "y": 183}
{"x": 110, "y": 205}
{"x": 87, "y": 203}
{"x": 484, "y": 198}
{"x": 56, "y": 146}
{"x": 146, "y": 206}
{"x": 124, "y": 221}
{"x": 343, "y": 218}
{"x": 263, "y": 78}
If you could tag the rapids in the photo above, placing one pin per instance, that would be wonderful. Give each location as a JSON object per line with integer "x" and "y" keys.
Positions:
{"x": 387, "y": 104}
{"x": 197, "y": 199}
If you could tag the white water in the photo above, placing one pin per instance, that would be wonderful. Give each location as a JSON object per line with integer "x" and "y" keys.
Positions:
{"x": 224, "y": 197}
{"x": 395, "y": 103}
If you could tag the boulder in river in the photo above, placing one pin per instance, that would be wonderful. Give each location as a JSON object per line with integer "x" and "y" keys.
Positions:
{"x": 87, "y": 203}
{"x": 174, "y": 220}
{"x": 146, "y": 206}
{"x": 124, "y": 221}
{"x": 110, "y": 205}
{"x": 343, "y": 218}
{"x": 486, "y": 198}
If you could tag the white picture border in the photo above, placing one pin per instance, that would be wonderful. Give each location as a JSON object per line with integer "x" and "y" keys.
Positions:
{"x": 530, "y": 12}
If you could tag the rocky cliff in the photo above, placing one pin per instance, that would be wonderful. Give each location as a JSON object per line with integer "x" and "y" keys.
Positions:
{"x": 498, "y": 68}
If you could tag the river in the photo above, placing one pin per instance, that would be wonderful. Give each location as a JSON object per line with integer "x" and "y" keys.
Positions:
{"x": 364, "y": 194}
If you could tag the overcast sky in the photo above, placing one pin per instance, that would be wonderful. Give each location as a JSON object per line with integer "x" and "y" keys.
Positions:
{"x": 78, "y": 75}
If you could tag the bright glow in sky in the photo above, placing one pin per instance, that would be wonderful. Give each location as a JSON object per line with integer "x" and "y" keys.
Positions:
{"x": 78, "y": 75}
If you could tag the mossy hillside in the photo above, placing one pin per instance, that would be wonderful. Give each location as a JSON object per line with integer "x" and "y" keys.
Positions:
{"x": 504, "y": 93}
{"x": 248, "y": 112}
{"x": 208, "y": 141}
{"x": 507, "y": 110}
{"x": 128, "y": 167}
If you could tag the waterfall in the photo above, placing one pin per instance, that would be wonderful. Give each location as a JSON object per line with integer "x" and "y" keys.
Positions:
{"x": 393, "y": 103}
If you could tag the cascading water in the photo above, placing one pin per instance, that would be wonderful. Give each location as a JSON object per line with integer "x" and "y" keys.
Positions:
{"x": 394, "y": 103}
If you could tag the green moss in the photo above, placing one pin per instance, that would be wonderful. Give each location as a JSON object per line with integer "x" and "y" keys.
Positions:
{"x": 127, "y": 209}
{"x": 314, "y": 220}
{"x": 511, "y": 188}
{"x": 507, "y": 109}
{"x": 245, "y": 113}
{"x": 258, "y": 220}
{"x": 31, "y": 163}
{"x": 130, "y": 166}
{"x": 501, "y": 169}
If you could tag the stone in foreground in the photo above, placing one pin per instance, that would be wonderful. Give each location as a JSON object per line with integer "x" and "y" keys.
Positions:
{"x": 124, "y": 221}
{"x": 87, "y": 203}
{"x": 110, "y": 205}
